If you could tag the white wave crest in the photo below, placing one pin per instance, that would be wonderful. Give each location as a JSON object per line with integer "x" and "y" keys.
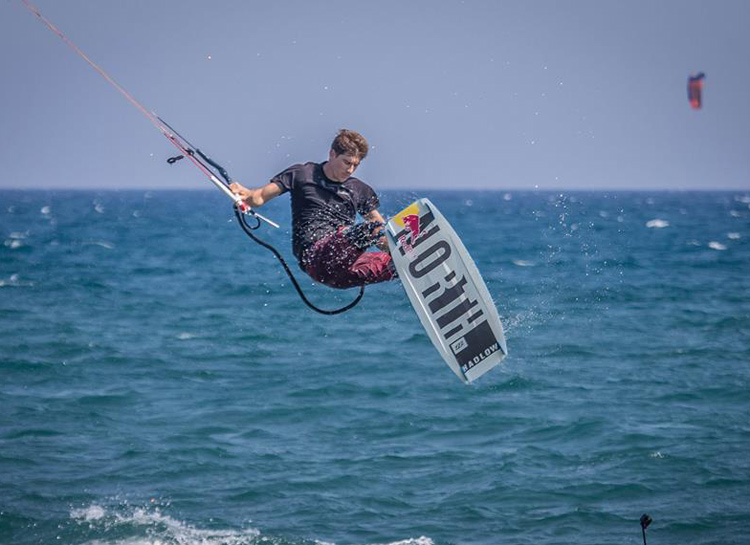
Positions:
{"x": 13, "y": 243}
{"x": 657, "y": 224}
{"x": 15, "y": 282}
{"x": 103, "y": 244}
{"x": 161, "y": 528}
{"x": 714, "y": 245}
{"x": 422, "y": 540}
{"x": 92, "y": 512}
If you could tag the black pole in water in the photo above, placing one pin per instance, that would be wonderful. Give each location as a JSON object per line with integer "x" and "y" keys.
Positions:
{"x": 645, "y": 521}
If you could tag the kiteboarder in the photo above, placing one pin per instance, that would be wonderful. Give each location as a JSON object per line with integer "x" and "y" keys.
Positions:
{"x": 326, "y": 240}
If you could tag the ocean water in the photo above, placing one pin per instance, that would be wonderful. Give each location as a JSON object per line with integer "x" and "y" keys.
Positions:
{"x": 161, "y": 383}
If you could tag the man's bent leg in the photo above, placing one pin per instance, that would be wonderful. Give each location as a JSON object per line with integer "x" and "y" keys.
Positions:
{"x": 373, "y": 267}
{"x": 336, "y": 262}
{"x": 329, "y": 260}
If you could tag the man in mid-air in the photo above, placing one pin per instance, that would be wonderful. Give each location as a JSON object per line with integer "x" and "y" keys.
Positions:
{"x": 326, "y": 240}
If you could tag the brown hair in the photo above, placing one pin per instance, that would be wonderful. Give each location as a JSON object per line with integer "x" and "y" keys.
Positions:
{"x": 350, "y": 142}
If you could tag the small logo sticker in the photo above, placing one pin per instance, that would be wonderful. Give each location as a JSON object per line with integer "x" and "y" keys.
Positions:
{"x": 459, "y": 345}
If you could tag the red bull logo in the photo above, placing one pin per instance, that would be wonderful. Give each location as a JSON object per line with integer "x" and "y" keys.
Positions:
{"x": 411, "y": 226}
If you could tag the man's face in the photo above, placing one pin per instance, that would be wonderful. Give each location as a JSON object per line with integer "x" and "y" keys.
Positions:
{"x": 341, "y": 167}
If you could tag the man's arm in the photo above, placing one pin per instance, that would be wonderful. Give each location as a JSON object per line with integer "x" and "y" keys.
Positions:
{"x": 258, "y": 196}
{"x": 374, "y": 215}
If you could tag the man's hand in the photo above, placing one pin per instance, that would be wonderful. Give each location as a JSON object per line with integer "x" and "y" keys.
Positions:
{"x": 240, "y": 190}
{"x": 382, "y": 244}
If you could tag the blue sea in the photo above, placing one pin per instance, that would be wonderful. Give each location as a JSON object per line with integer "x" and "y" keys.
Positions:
{"x": 161, "y": 383}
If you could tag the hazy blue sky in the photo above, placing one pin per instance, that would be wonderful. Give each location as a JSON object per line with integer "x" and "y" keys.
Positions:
{"x": 450, "y": 93}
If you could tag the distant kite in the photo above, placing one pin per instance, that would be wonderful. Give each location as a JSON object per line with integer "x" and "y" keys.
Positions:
{"x": 694, "y": 90}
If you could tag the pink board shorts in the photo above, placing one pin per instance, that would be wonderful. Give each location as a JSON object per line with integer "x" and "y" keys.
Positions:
{"x": 336, "y": 262}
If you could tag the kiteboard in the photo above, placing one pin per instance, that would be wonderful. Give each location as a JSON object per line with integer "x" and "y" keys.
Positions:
{"x": 446, "y": 290}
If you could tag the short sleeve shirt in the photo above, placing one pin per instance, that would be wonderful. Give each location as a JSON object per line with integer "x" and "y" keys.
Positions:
{"x": 319, "y": 205}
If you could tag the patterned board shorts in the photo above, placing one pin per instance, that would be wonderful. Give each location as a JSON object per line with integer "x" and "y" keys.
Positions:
{"x": 341, "y": 260}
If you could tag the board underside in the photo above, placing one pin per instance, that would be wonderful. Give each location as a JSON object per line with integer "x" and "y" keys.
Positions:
{"x": 446, "y": 290}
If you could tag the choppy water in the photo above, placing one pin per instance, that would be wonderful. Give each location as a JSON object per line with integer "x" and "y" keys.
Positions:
{"x": 161, "y": 383}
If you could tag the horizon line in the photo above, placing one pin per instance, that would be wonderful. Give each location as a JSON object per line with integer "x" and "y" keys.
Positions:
{"x": 408, "y": 189}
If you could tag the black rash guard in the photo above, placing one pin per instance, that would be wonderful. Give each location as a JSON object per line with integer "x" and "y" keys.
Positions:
{"x": 319, "y": 205}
